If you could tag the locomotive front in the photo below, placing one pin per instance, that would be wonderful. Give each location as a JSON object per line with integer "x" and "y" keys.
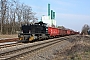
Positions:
{"x": 31, "y": 32}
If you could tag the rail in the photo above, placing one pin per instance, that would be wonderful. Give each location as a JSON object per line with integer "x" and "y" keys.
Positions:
{"x": 14, "y": 51}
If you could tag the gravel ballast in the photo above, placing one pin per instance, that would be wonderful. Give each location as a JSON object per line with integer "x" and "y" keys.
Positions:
{"x": 48, "y": 53}
{"x": 72, "y": 48}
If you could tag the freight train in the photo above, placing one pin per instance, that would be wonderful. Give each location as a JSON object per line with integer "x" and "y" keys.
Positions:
{"x": 40, "y": 30}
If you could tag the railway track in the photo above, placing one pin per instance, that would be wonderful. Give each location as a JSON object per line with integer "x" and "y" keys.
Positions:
{"x": 9, "y": 44}
{"x": 8, "y": 40}
{"x": 15, "y": 51}
{"x": 4, "y": 43}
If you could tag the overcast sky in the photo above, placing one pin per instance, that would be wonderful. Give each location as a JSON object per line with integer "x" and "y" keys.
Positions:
{"x": 69, "y": 13}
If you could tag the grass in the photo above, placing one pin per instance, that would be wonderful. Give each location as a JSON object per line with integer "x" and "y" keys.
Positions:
{"x": 9, "y": 36}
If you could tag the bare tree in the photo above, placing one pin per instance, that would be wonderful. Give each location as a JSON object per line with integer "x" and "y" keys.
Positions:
{"x": 13, "y": 14}
{"x": 3, "y": 13}
{"x": 85, "y": 29}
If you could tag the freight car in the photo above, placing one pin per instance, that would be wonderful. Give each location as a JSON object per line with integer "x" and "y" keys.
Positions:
{"x": 40, "y": 30}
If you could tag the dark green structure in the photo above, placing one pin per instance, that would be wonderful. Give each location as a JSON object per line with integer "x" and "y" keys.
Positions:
{"x": 48, "y": 9}
{"x": 51, "y": 14}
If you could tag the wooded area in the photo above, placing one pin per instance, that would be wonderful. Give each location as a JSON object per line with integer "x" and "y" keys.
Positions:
{"x": 13, "y": 14}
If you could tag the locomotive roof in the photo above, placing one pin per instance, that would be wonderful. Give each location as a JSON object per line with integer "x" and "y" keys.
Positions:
{"x": 40, "y": 22}
{"x": 35, "y": 24}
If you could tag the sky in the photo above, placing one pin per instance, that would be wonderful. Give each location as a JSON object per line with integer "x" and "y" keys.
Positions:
{"x": 71, "y": 14}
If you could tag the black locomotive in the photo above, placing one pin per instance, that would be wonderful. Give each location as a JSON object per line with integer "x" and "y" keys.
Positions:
{"x": 32, "y": 32}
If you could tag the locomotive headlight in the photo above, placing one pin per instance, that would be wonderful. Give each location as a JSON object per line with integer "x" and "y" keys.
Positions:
{"x": 21, "y": 31}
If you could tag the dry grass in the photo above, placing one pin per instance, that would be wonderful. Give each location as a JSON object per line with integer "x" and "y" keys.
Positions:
{"x": 80, "y": 51}
{"x": 9, "y": 36}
